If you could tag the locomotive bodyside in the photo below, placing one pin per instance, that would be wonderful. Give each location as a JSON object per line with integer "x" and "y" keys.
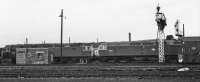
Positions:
{"x": 145, "y": 51}
{"x": 118, "y": 52}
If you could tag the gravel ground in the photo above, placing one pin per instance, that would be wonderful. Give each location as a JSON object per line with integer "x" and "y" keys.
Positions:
{"x": 85, "y": 73}
{"x": 171, "y": 79}
{"x": 96, "y": 71}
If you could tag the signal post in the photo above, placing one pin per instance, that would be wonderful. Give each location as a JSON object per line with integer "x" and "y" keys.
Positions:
{"x": 161, "y": 23}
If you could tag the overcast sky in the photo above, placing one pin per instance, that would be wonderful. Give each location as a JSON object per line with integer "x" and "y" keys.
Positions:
{"x": 87, "y": 20}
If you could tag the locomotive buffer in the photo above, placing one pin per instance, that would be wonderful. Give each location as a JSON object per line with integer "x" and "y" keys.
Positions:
{"x": 161, "y": 23}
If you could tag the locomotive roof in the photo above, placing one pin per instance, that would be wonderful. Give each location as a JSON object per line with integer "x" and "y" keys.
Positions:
{"x": 120, "y": 43}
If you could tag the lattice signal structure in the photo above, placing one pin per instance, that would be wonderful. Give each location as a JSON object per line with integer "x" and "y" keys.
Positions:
{"x": 161, "y": 46}
{"x": 161, "y": 23}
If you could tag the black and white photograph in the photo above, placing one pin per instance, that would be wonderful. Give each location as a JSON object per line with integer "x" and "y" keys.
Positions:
{"x": 99, "y": 41}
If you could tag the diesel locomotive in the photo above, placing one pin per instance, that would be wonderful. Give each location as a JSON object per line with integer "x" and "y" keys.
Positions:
{"x": 186, "y": 50}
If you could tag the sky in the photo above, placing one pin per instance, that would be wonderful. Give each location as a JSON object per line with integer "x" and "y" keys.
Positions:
{"x": 87, "y": 20}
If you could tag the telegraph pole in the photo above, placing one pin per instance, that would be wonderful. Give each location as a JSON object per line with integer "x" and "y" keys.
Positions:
{"x": 61, "y": 33}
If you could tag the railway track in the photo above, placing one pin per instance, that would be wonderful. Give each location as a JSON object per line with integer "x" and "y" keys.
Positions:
{"x": 98, "y": 71}
{"x": 46, "y": 74}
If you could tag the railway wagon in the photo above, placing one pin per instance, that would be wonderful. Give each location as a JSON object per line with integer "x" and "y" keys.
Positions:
{"x": 8, "y": 56}
{"x": 32, "y": 56}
